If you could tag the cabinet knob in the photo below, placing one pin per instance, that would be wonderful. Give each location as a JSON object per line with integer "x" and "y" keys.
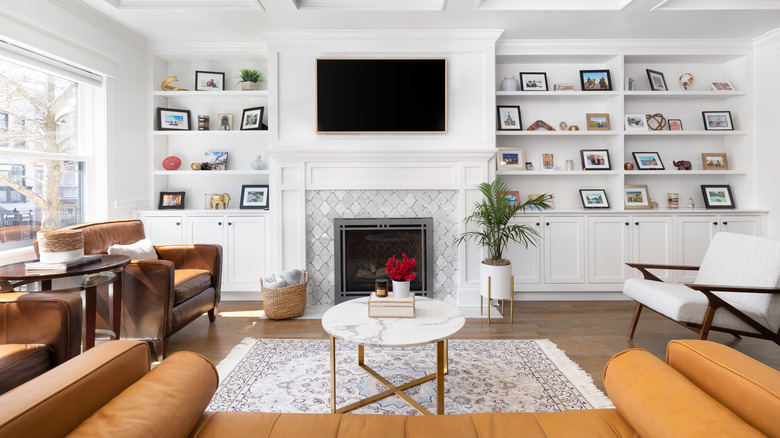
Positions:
{"x": 537, "y": 224}
{"x": 725, "y": 223}
{"x": 626, "y": 223}
{"x": 547, "y": 223}
{"x": 636, "y": 223}
{"x": 230, "y": 223}
{"x": 714, "y": 223}
{"x": 219, "y": 223}
{"x": 178, "y": 223}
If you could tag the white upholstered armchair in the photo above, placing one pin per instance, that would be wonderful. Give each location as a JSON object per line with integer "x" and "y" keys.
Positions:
{"x": 737, "y": 289}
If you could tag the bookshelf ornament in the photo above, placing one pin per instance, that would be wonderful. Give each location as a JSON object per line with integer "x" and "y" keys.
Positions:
{"x": 686, "y": 79}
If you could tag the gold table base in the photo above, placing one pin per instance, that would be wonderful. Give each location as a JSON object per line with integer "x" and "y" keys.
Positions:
{"x": 442, "y": 359}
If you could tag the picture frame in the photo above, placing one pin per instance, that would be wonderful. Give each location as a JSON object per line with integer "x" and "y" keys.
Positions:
{"x": 171, "y": 201}
{"x": 674, "y": 124}
{"x": 595, "y": 159}
{"x": 533, "y": 81}
{"x": 597, "y": 121}
{"x": 595, "y": 80}
{"x": 170, "y": 119}
{"x": 510, "y": 159}
{"x": 548, "y": 161}
{"x": 214, "y": 161}
{"x": 721, "y": 86}
{"x": 717, "y": 196}
{"x": 635, "y": 122}
{"x": 209, "y": 80}
{"x": 594, "y": 198}
{"x": 224, "y": 121}
{"x": 509, "y": 118}
{"x": 657, "y": 80}
{"x": 252, "y": 119}
{"x": 714, "y": 161}
{"x": 636, "y": 197}
{"x": 254, "y": 196}
{"x": 512, "y": 198}
{"x": 630, "y": 84}
{"x": 717, "y": 121}
{"x": 648, "y": 161}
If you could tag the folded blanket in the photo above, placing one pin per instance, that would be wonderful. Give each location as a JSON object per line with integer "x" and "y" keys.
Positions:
{"x": 284, "y": 279}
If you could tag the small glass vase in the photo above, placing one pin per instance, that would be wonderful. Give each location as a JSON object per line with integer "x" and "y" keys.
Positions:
{"x": 258, "y": 163}
{"x": 509, "y": 84}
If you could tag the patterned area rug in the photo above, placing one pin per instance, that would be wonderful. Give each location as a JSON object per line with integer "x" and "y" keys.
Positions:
{"x": 293, "y": 375}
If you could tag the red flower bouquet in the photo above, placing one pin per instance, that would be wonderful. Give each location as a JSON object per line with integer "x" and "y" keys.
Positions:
{"x": 401, "y": 270}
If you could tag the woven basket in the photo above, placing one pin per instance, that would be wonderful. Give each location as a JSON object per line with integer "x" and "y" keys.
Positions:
{"x": 285, "y": 302}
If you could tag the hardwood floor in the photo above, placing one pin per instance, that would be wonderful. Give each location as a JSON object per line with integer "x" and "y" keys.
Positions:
{"x": 589, "y": 332}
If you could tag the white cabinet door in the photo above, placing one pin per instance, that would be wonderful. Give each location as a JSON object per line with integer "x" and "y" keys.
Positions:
{"x": 564, "y": 249}
{"x": 164, "y": 230}
{"x": 741, "y": 224}
{"x": 652, "y": 241}
{"x": 206, "y": 229}
{"x": 694, "y": 235}
{"x": 526, "y": 262}
{"x": 247, "y": 248}
{"x": 608, "y": 249}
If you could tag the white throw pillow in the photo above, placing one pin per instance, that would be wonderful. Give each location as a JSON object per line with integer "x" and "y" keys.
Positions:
{"x": 141, "y": 250}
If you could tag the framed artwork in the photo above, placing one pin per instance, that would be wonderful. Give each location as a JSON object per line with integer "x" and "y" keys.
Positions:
{"x": 636, "y": 197}
{"x": 648, "y": 161}
{"x": 548, "y": 161}
{"x": 629, "y": 86}
{"x": 595, "y": 80}
{"x": 597, "y": 122}
{"x": 721, "y": 86}
{"x": 252, "y": 118}
{"x": 594, "y": 198}
{"x": 510, "y": 159}
{"x": 214, "y": 161}
{"x": 509, "y": 118}
{"x": 674, "y": 124}
{"x": 533, "y": 81}
{"x": 657, "y": 81}
{"x": 512, "y": 198}
{"x": 717, "y": 121}
{"x": 595, "y": 159}
{"x": 209, "y": 80}
{"x": 171, "y": 200}
{"x": 169, "y": 119}
{"x": 225, "y": 121}
{"x": 718, "y": 196}
{"x": 254, "y": 196}
{"x": 635, "y": 122}
{"x": 714, "y": 161}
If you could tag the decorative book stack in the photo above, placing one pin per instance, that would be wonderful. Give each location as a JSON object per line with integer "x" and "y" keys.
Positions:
{"x": 61, "y": 266}
{"x": 390, "y": 306}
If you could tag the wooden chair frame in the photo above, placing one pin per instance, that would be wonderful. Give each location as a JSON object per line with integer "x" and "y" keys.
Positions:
{"x": 714, "y": 303}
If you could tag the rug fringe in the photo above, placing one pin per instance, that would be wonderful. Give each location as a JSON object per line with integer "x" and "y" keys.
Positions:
{"x": 576, "y": 375}
{"x": 230, "y": 361}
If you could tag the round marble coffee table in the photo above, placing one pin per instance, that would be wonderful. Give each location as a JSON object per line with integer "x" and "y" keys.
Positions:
{"x": 435, "y": 321}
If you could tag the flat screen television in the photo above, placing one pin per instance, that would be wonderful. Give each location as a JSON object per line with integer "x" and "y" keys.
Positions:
{"x": 381, "y": 95}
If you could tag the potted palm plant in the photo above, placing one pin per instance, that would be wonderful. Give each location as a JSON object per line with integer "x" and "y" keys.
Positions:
{"x": 250, "y": 79}
{"x": 492, "y": 216}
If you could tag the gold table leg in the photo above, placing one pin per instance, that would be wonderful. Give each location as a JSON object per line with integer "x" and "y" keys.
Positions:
{"x": 332, "y": 375}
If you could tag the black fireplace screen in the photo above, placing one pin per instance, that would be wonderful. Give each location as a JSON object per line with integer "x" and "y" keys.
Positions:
{"x": 363, "y": 246}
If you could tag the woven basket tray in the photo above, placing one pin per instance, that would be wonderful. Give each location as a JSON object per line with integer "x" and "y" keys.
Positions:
{"x": 285, "y": 302}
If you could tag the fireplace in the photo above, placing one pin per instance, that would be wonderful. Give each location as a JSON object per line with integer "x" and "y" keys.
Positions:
{"x": 362, "y": 247}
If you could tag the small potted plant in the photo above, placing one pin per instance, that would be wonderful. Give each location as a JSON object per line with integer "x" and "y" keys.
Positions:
{"x": 400, "y": 272}
{"x": 250, "y": 79}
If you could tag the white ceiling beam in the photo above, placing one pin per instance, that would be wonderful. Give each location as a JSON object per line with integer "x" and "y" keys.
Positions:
{"x": 371, "y": 5}
{"x": 716, "y": 5}
{"x": 551, "y": 5}
{"x": 217, "y": 5}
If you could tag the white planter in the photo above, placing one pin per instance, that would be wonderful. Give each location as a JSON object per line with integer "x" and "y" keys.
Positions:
{"x": 501, "y": 286}
{"x": 401, "y": 289}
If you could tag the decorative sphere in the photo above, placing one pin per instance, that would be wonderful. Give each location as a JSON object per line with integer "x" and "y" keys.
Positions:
{"x": 171, "y": 163}
{"x": 686, "y": 79}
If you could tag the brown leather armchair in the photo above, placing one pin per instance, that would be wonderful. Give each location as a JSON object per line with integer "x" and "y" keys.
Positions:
{"x": 159, "y": 297}
{"x": 39, "y": 331}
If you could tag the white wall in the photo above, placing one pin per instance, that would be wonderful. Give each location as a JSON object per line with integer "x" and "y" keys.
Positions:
{"x": 767, "y": 136}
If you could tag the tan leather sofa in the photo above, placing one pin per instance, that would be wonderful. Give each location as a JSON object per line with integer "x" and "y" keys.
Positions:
{"x": 703, "y": 389}
{"x": 159, "y": 297}
{"x": 38, "y": 331}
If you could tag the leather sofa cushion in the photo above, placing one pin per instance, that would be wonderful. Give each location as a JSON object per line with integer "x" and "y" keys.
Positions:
{"x": 21, "y": 362}
{"x": 189, "y": 282}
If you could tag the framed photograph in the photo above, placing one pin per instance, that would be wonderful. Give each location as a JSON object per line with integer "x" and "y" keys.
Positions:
{"x": 595, "y": 159}
{"x": 595, "y": 80}
{"x": 171, "y": 200}
{"x": 714, "y": 161}
{"x": 674, "y": 124}
{"x": 548, "y": 161}
{"x": 648, "y": 161}
{"x": 214, "y": 161}
{"x": 717, "y": 121}
{"x": 597, "y": 122}
{"x": 512, "y": 198}
{"x": 657, "y": 81}
{"x": 533, "y": 81}
{"x": 254, "y": 196}
{"x": 209, "y": 80}
{"x": 252, "y": 118}
{"x": 509, "y": 118}
{"x": 629, "y": 86}
{"x": 718, "y": 196}
{"x": 169, "y": 119}
{"x": 510, "y": 159}
{"x": 635, "y": 122}
{"x": 225, "y": 121}
{"x": 594, "y": 198}
{"x": 636, "y": 197}
{"x": 721, "y": 86}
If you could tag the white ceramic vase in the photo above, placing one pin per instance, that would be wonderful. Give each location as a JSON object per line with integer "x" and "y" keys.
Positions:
{"x": 501, "y": 287}
{"x": 401, "y": 289}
